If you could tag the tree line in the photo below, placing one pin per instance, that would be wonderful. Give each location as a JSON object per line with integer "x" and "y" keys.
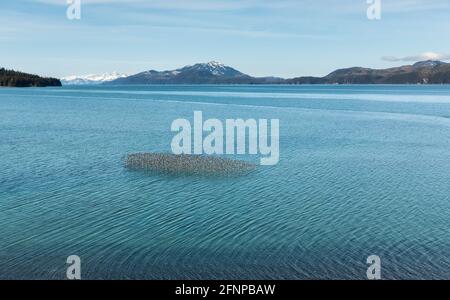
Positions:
{"x": 11, "y": 78}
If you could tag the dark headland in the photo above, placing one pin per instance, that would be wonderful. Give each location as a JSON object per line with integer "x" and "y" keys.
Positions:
{"x": 424, "y": 72}
{"x": 11, "y": 78}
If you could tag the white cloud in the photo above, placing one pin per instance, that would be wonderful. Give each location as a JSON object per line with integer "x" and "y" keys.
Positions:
{"x": 420, "y": 57}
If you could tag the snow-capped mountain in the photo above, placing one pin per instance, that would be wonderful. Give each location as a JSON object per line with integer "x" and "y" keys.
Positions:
{"x": 428, "y": 64}
{"x": 215, "y": 68}
{"x": 202, "y": 73}
{"x": 91, "y": 79}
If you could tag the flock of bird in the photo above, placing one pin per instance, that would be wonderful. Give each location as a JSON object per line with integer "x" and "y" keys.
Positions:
{"x": 187, "y": 164}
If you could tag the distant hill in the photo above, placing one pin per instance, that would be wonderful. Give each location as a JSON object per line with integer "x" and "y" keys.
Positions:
{"x": 202, "y": 73}
{"x": 425, "y": 72}
{"x": 12, "y": 78}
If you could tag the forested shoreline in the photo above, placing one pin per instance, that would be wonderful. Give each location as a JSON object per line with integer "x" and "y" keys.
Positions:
{"x": 11, "y": 78}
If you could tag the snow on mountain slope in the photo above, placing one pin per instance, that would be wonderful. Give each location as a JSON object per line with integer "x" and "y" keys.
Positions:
{"x": 91, "y": 79}
{"x": 213, "y": 68}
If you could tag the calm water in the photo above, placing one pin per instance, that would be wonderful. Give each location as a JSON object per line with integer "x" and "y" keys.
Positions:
{"x": 363, "y": 170}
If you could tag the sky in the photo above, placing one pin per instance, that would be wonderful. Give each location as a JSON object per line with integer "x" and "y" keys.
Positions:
{"x": 286, "y": 38}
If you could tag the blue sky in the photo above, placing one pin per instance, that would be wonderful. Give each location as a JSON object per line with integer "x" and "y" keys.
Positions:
{"x": 284, "y": 38}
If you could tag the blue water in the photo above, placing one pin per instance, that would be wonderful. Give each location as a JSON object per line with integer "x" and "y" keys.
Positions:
{"x": 363, "y": 170}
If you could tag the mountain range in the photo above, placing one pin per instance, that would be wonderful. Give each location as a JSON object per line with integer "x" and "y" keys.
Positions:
{"x": 425, "y": 72}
